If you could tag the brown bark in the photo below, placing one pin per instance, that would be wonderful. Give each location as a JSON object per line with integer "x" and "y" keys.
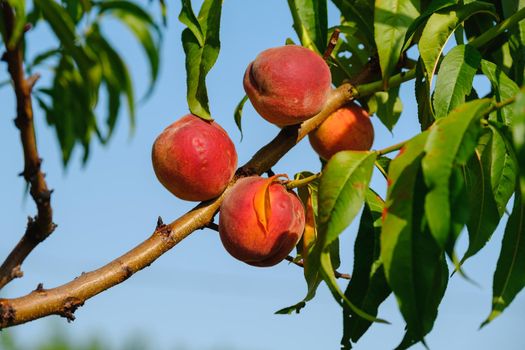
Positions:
{"x": 41, "y": 226}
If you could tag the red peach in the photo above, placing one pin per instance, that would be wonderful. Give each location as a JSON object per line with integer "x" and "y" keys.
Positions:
{"x": 260, "y": 222}
{"x": 194, "y": 159}
{"x": 288, "y": 84}
{"x": 348, "y": 128}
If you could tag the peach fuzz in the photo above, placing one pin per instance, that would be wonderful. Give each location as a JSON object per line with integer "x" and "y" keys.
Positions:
{"x": 260, "y": 222}
{"x": 288, "y": 84}
{"x": 194, "y": 159}
{"x": 348, "y": 128}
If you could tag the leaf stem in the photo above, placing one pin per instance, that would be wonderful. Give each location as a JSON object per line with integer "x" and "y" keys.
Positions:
{"x": 493, "y": 32}
{"x": 302, "y": 182}
{"x": 391, "y": 149}
{"x": 394, "y": 81}
{"x": 337, "y": 274}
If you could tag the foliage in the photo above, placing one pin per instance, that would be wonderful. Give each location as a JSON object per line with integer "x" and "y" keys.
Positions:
{"x": 462, "y": 171}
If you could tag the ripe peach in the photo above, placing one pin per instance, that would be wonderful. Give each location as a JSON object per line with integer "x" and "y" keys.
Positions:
{"x": 288, "y": 84}
{"x": 194, "y": 159}
{"x": 348, "y": 128}
{"x": 260, "y": 222}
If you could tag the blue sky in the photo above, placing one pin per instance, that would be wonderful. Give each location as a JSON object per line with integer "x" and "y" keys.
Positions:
{"x": 196, "y": 296}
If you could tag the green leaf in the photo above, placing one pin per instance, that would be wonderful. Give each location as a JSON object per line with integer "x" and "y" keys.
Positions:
{"x": 387, "y": 106}
{"x": 509, "y": 277}
{"x": 451, "y": 142}
{"x": 201, "y": 58}
{"x": 425, "y": 112}
{"x": 308, "y": 195}
{"x": 310, "y": 21}
{"x": 504, "y": 88}
{"x": 368, "y": 287}
{"x": 518, "y": 136}
{"x": 342, "y": 191}
{"x": 503, "y": 169}
{"x": 359, "y": 13}
{"x": 64, "y": 28}
{"x": 391, "y": 21}
{"x": 187, "y": 17}
{"x": 484, "y": 216}
{"x": 414, "y": 264}
{"x": 433, "y": 6}
{"x": 237, "y": 115}
{"x": 440, "y": 27}
{"x": 454, "y": 80}
{"x": 117, "y": 80}
{"x": 142, "y": 25}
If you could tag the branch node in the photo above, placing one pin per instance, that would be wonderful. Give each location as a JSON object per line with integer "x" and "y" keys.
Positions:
{"x": 270, "y": 172}
{"x": 71, "y": 305}
{"x": 162, "y": 228}
{"x": 17, "y": 272}
{"x": 7, "y": 313}
{"x": 40, "y": 288}
{"x": 31, "y": 81}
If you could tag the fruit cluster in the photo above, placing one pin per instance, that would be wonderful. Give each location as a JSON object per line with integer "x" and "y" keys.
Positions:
{"x": 260, "y": 221}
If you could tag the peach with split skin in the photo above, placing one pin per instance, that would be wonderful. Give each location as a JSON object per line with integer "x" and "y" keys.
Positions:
{"x": 288, "y": 84}
{"x": 260, "y": 222}
{"x": 348, "y": 128}
{"x": 194, "y": 158}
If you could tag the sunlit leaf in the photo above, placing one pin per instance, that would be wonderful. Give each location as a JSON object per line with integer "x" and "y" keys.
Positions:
{"x": 387, "y": 106}
{"x": 201, "y": 58}
{"x": 310, "y": 22}
{"x": 454, "y": 80}
{"x": 342, "y": 190}
{"x": 391, "y": 21}
{"x": 439, "y": 29}
{"x": 237, "y": 114}
{"x": 451, "y": 142}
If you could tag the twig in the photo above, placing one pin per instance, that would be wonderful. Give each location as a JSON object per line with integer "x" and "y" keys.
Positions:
{"x": 41, "y": 226}
{"x": 331, "y": 43}
{"x": 64, "y": 300}
{"x": 301, "y": 264}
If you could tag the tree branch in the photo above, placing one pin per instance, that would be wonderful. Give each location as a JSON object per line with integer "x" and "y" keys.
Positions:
{"x": 65, "y": 299}
{"x": 41, "y": 226}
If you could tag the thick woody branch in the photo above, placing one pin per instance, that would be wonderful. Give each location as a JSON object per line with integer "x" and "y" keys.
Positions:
{"x": 65, "y": 299}
{"x": 41, "y": 226}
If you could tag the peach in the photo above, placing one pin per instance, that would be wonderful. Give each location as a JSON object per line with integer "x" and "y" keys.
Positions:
{"x": 348, "y": 128}
{"x": 194, "y": 158}
{"x": 260, "y": 222}
{"x": 288, "y": 84}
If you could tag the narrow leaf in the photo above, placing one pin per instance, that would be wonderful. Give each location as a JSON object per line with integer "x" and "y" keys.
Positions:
{"x": 342, "y": 191}
{"x": 451, "y": 142}
{"x": 454, "y": 81}
{"x": 237, "y": 114}
{"x": 509, "y": 278}
{"x": 391, "y": 21}
{"x": 368, "y": 287}
{"x": 504, "y": 88}
{"x": 440, "y": 27}
{"x": 310, "y": 21}
{"x": 484, "y": 216}
{"x": 201, "y": 58}
{"x": 518, "y": 135}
